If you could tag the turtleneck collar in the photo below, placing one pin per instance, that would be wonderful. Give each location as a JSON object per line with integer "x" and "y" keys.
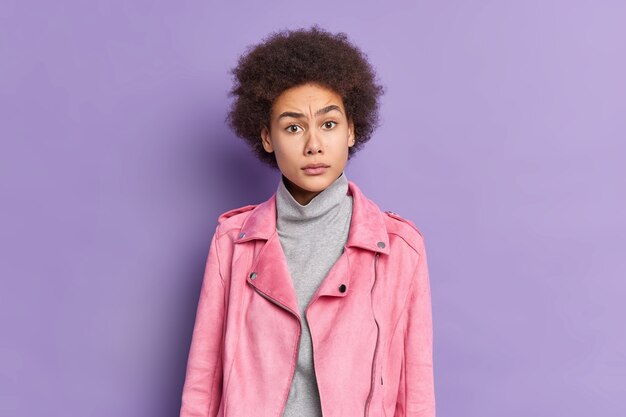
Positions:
{"x": 289, "y": 210}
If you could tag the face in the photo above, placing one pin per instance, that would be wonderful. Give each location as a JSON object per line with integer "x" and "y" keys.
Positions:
{"x": 310, "y": 135}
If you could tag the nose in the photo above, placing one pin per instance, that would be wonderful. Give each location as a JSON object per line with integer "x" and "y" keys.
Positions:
{"x": 313, "y": 145}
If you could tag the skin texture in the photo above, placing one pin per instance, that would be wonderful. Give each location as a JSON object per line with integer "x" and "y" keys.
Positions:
{"x": 304, "y": 130}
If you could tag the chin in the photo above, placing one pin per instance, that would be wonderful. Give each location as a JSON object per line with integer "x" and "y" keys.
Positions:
{"x": 312, "y": 185}
{"x": 314, "y": 188}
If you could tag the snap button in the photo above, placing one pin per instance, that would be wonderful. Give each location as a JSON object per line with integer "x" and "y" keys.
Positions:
{"x": 252, "y": 275}
{"x": 342, "y": 288}
{"x": 381, "y": 244}
{"x": 242, "y": 234}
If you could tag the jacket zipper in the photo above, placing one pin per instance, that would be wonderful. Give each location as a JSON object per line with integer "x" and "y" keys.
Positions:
{"x": 297, "y": 348}
{"x": 372, "y": 383}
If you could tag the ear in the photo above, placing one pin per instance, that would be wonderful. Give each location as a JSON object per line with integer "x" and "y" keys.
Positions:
{"x": 266, "y": 140}
{"x": 351, "y": 135}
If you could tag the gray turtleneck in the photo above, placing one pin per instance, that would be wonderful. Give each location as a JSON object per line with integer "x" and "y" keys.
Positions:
{"x": 313, "y": 238}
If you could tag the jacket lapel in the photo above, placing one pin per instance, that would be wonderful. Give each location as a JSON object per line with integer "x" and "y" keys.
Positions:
{"x": 269, "y": 272}
{"x": 270, "y": 275}
{"x": 367, "y": 228}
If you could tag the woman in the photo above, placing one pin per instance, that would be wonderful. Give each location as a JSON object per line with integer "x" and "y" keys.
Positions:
{"x": 314, "y": 302}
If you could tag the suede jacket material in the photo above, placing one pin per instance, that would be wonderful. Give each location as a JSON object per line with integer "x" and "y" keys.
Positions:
{"x": 370, "y": 321}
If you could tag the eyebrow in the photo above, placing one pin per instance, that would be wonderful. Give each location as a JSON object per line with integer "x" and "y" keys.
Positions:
{"x": 317, "y": 113}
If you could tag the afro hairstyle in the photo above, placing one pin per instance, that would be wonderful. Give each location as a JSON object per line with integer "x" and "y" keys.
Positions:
{"x": 291, "y": 58}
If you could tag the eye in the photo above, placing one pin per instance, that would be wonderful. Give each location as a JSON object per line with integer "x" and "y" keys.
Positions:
{"x": 293, "y": 128}
{"x": 329, "y": 124}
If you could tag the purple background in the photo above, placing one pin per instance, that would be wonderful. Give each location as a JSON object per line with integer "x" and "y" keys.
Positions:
{"x": 503, "y": 139}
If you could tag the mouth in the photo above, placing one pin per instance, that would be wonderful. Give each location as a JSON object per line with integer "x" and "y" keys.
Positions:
{"x": 315, "y": 169}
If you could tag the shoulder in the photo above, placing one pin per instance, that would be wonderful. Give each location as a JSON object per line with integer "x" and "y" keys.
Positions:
{"x": 235, "y": 213}
{"x": 233, "y": 218}
{"x": 405, "y": 229}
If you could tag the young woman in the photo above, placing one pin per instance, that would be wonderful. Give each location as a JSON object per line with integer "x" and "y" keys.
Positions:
{"x": 314, "y": 302}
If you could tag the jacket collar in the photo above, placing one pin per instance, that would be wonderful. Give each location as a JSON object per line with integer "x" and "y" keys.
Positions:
{"x": 367, "y": 226}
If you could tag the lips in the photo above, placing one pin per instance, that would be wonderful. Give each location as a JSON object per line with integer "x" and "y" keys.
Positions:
{"x": 315, "y": 166}
{"x": 315, "y": 169}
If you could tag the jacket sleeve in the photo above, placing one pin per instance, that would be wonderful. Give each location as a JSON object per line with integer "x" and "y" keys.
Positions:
{"x": 416, "y": 394}
{"x": 202, "y": 389}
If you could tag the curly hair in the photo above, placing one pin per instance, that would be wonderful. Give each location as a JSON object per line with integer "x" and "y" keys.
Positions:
{"x": 287, "y": 59}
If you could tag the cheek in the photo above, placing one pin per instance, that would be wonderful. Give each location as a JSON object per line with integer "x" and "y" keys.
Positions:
{"x": 284, "y": 155}
{"x": 342, "y": 143}
{"x": 282, "y": 149}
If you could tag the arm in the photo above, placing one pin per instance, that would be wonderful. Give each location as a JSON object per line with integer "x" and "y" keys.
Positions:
{"x": 203, "y": 382}
{"x": 416, "y": 395}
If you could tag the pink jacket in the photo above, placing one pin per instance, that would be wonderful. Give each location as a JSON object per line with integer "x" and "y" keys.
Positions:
{"x": 370, "y": 321}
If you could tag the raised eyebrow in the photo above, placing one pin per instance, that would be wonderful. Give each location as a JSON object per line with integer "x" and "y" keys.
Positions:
{"x": 297, "y": 115}
{"x": 290, "y": 114}
{"x": 328, "y": 109}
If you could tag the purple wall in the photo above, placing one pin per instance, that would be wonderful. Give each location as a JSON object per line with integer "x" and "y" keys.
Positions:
{"x": 503, "y": 139}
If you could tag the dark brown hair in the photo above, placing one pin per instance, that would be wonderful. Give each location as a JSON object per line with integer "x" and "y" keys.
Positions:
{"x": 287, "y": 59}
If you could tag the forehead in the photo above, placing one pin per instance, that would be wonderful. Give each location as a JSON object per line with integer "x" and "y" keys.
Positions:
{"x": 306, "y": 96}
